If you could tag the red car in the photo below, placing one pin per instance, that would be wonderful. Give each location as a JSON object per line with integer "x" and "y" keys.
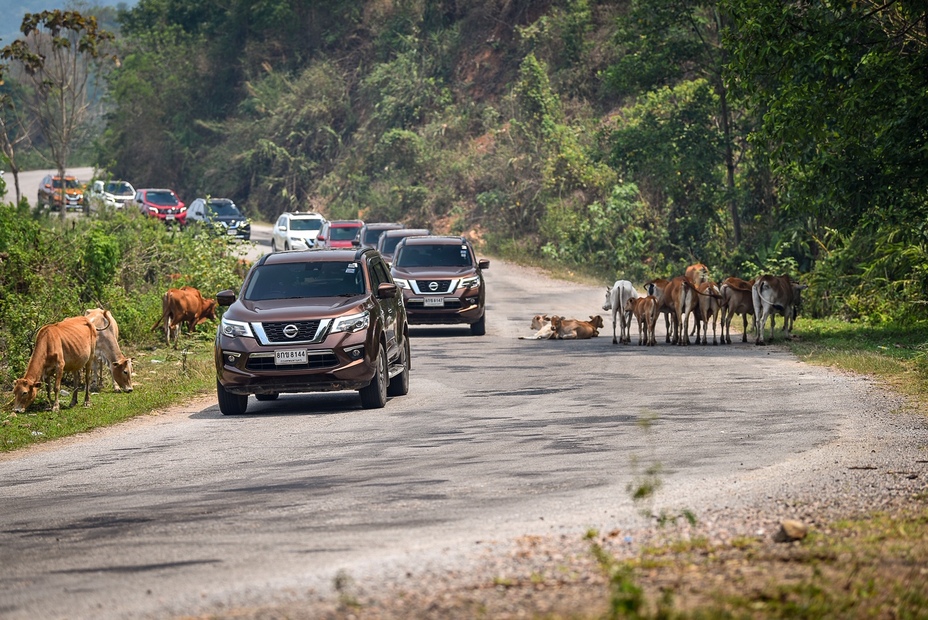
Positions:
{"x": 162, "y": 204}
{"x": 339, "y": 234}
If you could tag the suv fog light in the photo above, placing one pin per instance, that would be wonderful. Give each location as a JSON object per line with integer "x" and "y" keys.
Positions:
{"x": 231, "y": 356}
{"x": 355, "y": 353}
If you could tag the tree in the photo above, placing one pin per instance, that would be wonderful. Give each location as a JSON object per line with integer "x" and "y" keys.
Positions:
{"x": 15, "y": 128}
{"x": 58, "y": 55}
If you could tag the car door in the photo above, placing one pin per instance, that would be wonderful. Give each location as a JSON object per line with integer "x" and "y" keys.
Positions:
{"x": 389, "y": 308}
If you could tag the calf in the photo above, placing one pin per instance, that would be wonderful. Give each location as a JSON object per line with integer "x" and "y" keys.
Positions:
{"x": 774, "y": 294}
{"x": 616, "y": 300}
{"x": 736, "y": 299}
{"x": 645, "y": 310}
{"x": 544, "y": 330}
{"x": 108, "y": 352}
{"x": 63, "y": 347}
{"x": 572, "y": 329}
{"x": 708, "y": 305}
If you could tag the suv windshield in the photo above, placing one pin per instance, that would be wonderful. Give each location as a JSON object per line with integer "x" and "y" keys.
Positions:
{"x": 69, "y": 183}
{"x": 299, "y": 280}
{"x": 343, "y": 233}
{"x": 162, "y": 199}
{"x": 300, "y": 223}
{"x": 445, "y": 255}
{"x": 118, "y": 188}
{"x": 224, "y": 209}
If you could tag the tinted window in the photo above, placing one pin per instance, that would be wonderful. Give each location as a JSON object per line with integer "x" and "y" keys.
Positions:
{"x": 164, "y": 199}
{"x": 434, "y": 256}
{"x": 118, "y": 188}
{"x": 299, "y": 280}
{"x": 343, "y": 234}
{"x": 224, "y": 208}
{"x": 305, "y": 224}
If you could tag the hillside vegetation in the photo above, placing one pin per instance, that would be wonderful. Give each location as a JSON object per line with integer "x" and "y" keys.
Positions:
{"x": 619, "y": 138}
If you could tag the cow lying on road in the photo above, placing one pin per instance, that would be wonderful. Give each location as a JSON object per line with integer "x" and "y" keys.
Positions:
{"x": 63, "y": 347}
{"x": 572, "y": 329}
{"x": 541, "y": 323}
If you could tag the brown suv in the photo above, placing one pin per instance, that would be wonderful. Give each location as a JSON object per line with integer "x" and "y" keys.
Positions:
{"x": 313, "y": 321}
{"x": 442, "y": 281}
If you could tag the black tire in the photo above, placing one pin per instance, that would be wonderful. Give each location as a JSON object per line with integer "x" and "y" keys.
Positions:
{"x": 480, "y": 327}
{"x": 229, "y": 403}
{"x": 273, "y": 246}
{"x": 374, "y": 395}
{"x": 399, "y": 385}
{"x": 266, "y": 396}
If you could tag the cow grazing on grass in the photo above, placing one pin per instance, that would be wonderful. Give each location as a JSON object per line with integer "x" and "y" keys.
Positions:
{"x": 774, "y": 294}
{"x": 736, "y": 299}
{"x": 183, "y": 306}
{"x": 541, "y": 324}
{"x": 644, "y": 309}
{"x": 63, "y": 347}
{"x": 616, "y": 299}
{"x": 108, "y": 353}
{"x": 572, "y": 329}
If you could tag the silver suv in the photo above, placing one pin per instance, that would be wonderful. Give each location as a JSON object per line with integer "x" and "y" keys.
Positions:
{"x": 296, "y": 230}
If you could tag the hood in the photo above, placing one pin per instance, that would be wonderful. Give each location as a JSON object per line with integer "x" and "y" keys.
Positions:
{"x": 302, "y": 309}
{"x": 430, "y": 273}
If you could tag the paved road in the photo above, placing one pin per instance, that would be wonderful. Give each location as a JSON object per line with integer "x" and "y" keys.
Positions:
{"x": 499, "y": 437}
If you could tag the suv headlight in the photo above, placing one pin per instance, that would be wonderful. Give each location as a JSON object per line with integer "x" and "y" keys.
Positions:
{"x": 352, "y": 322}
{"x": 235, "y": 329}
{"x": 401, "y": 282}
{"x": 470, "y": 281}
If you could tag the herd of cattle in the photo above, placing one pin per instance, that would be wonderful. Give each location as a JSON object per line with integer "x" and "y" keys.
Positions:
{"x": 690, "y": 295}
{"x": 86, "y": 344}
{"x": 83, "y": 345}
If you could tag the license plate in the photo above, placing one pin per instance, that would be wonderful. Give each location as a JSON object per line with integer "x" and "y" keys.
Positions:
{"x": 434, "y": 302}
{"x": 290, "y": 356}
{"x": 169, "y": 217}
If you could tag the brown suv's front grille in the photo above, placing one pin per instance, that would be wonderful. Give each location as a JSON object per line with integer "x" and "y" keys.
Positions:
{"x": 315, "y": 361}
{"x": 306, "y": 331}
{"x": 442, "y": 286}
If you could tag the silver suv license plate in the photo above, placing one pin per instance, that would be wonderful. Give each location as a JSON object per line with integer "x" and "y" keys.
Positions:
{"x": 290, "y": 356}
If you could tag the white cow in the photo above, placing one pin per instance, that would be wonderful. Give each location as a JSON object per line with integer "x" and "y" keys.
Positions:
{"x": 616, "y": 299}
{"x": 543, "y": 327}
{"x": 107, "y": 352}
{"x": 775, "y": 294}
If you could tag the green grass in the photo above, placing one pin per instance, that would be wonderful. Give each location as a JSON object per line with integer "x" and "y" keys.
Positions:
{"x": 162, "y": 377}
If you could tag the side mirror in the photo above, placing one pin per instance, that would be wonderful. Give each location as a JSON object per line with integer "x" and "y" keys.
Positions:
{"x": 386, "y": 290}
{"x": 226, "y": 297}
{"x": 282, "y": 228}
{"x": 484, "y": 263}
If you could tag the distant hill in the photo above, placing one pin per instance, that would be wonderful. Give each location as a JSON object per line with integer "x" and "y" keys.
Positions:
{"x": 12, "y": 12}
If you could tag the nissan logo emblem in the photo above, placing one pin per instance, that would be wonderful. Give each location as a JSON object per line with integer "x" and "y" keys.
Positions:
{"x": 290, "y": 331}
{"x": 433, "y": 286}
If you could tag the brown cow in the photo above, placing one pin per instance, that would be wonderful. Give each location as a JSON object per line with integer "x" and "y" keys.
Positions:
{"x": 108, "y": 352}
{"x": 697, "y": 273}
{"x": 708, "y": 305}
{"x": 677, "y": 298}
{"x": 572, "y": 329}
{"x": 645, "y": 310}
{"x": 63, "y": 347}
{"x": 185, "y": 306}
{"x": 736, "y": 299}
{"x": 774, "y": 294}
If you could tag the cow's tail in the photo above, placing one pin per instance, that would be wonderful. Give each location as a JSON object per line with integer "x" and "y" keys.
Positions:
{"x": 164, "y": 313}
{"x": 760, "y": 293}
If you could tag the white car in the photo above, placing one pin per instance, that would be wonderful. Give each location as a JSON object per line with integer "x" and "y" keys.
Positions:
{"x": 113, "y": 194}
{"x": 296, "y": 230}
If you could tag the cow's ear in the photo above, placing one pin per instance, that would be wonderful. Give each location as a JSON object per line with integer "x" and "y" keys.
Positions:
{"x": 35, "y": 384}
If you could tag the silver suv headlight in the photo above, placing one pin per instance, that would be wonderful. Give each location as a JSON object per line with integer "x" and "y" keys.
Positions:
{"x": 352, "y": 322}
{"x": 235, "y": 329}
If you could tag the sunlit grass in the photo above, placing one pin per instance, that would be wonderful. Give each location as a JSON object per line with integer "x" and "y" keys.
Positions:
{"x": 162, "y": 377}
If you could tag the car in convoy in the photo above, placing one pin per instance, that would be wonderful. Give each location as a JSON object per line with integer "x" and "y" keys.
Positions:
{"x": 113, "y": 194}
{"x": 219, "y": 215}
{"x": 313, "y": 321}
{"x": 371, "y": 231}
{"x": 339, "y": 233}
{"x": 296, "y": 230}
{"x": 442, "y": 281}
{"x": 162, "y": 204}
{"x": 50, "y": 192}
{"x": 386, "y": 245}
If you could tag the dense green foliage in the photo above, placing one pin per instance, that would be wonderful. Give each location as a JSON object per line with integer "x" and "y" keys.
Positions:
{"x": 629, "y": 137}
{"x": 119, "y": 261}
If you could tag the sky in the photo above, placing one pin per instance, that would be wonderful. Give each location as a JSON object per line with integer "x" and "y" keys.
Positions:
{"x": 13, "y": 11}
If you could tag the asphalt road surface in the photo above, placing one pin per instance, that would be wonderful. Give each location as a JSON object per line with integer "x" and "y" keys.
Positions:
{"x": 189, "y": 511}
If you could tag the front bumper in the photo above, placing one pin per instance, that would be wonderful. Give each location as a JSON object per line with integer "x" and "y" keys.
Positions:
{"x": 454, "y": 309}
